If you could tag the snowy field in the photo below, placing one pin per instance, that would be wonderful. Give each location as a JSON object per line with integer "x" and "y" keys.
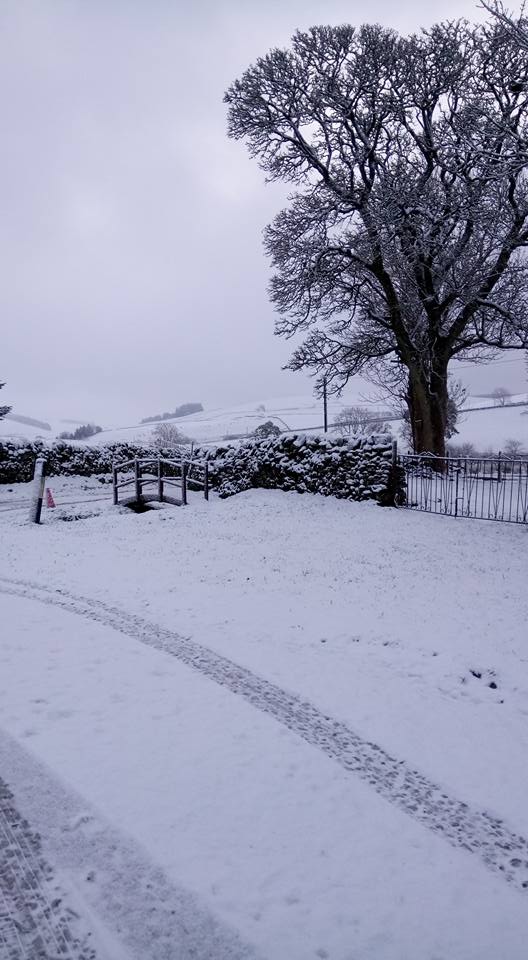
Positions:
{"x": 487, "y": 429}
{"x": 274, "y": 726}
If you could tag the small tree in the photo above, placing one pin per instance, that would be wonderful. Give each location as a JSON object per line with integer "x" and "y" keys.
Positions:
{"x": 513, "y": 449}
{"x": 3, "y": 410}
{"x": 267, "y": 429}
{"x": 462, "y": 450}
{"x": 500, "y": 395}
{"x": 358, "y": 421}
{"x": 168, "y": 436}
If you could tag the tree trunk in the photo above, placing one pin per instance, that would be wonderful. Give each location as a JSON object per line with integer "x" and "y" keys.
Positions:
{"x": 427, "y": 402}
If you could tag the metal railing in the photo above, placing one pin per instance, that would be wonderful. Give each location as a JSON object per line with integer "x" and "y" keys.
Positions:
{"x": 481, "y": 488}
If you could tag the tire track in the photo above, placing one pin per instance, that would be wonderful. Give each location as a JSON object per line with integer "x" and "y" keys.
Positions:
{"x": 460, "y": 824}
{"x": 134, "y": 909}
{"x": 35, "y": 923}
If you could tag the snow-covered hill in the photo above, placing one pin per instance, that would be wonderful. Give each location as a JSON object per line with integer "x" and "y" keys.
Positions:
{"x": 489, "y": 428}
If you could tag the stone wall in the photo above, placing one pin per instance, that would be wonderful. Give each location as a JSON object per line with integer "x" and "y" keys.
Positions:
{"x": 357, "y": 468}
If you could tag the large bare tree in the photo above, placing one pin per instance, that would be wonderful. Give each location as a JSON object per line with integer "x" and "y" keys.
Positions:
{"x": 403, "y": 245}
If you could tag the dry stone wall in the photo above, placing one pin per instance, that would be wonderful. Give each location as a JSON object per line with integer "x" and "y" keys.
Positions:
{"x": 357, "y": 468}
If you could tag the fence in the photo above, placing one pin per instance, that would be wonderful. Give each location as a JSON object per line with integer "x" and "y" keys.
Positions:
{"x": 484, "y": 489}
{"x": 162, "y": 473}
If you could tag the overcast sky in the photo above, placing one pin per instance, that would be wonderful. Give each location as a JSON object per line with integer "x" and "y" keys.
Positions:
{"x": 133, "y": 276}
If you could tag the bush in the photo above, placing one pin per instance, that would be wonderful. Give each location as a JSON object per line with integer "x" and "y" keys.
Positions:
{"x": 267, "y": 429}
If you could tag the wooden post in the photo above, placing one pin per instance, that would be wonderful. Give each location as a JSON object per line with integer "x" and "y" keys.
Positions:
{"x": 206, "y": 480}
{"x": 39, "y": 477}
{"x": 114, "y": 483}
{"x": 137, "y": 473}
{"x": 184, "y": 484}
{"x": 325, "y": 407}
{"x": 160, "y": 480}
{"x": 394, "y": 453}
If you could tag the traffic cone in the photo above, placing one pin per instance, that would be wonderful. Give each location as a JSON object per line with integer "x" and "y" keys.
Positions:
{"x": 50, "y": 502}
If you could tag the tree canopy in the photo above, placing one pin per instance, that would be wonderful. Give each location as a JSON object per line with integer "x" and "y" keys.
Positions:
{"x": 402, "y": 246}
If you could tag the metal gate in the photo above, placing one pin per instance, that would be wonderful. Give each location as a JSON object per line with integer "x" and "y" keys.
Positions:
{"x": 485, "y": 489}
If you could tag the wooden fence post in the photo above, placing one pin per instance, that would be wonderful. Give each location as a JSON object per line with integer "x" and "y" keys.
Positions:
{"x": 137, "y": 474}
{"x": 184, "y": 484}
{"x": 39, "y": 477}
{"x": 206, "y": 480}
{"x": 160, "y": 480}
{"x": 114, "y": 484}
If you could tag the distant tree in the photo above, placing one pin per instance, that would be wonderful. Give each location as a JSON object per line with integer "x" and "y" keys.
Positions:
{"x": 358, "y": 421}
{"x": 261, "y": 408}
{"x": 462, "y": 450}
{"x": 82, "y": 432}
{"x": 403, "y": 247}
{"x": 513, "y": 449}
{"x": 267, "y": 429}
{"x": 3, "y": 410}
{"x": 500, "y": 395}
{"x": 182, "y": 411}
{"x": 167, "y": 435}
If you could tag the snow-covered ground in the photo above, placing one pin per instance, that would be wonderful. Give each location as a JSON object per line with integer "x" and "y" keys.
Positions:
{"x": 280, "y": 726}
{"x": 492, "y": 428}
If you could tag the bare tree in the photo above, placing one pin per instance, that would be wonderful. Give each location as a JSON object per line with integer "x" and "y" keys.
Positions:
{"x": 513, "y": 449}
{"x": 357, "y": 421}
{"x": 500, "y": 395}
{"x": 168, "y": 436}
{"x": 515, "y": 27}
{"x": 403, "y": 245}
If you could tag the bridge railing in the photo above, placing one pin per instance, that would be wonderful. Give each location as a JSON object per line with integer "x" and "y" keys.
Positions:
{"x": 160, "y": 474}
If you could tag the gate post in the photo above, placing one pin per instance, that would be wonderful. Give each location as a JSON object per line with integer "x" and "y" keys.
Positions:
{"x": 39, "y": 477}
{"x": 206, "y": 481}
{"x": 184, "y": 484}
{"x": 137, "y": 475}
{"x": 114, "y": 484}
{"x": 160, "y": 480}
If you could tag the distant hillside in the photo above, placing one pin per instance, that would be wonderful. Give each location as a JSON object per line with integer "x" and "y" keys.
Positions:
{"x": 30, "y": 421}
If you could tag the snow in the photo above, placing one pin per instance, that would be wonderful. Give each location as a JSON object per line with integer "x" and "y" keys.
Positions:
{"x": 488, "y": 428}
{"x": 491, "y": 429}
{"x": 376, "y": 617}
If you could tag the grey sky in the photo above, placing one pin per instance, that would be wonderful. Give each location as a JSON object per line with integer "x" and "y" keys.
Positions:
{"x": 133, "y": 276}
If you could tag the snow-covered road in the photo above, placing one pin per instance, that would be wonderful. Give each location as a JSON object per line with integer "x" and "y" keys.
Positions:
{"x": 474, "y": 830}
{"x": 239, "y": 765}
